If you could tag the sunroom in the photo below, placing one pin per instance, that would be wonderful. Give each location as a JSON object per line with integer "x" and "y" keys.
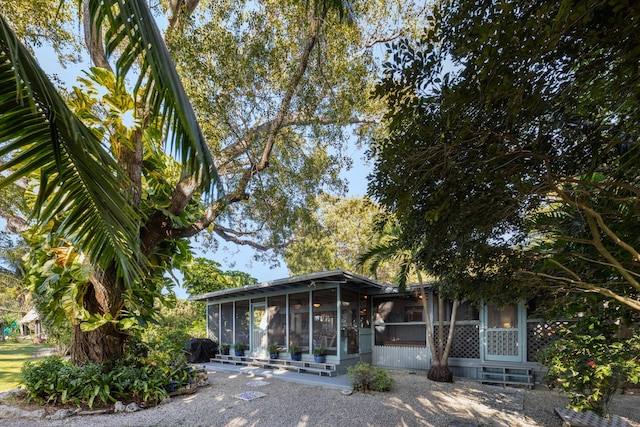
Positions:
{"x": 354, "y": 319}
{"x": 328, "y": 310}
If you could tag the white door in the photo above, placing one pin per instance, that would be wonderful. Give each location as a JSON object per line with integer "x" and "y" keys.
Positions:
{"x": 259, "y": 324}
{"x": 502, "y": 334}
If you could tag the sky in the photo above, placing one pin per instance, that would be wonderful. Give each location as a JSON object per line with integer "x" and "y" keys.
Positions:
{"x": 230, "y": 255}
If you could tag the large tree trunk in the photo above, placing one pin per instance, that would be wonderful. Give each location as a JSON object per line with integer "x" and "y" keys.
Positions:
{"x": 440, "y": 372}
{"x": 104, "y": 344}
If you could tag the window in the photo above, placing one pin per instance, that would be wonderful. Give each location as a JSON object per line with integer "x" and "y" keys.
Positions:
{"x": 213, "y": 322}
{"x": 226, "y": 323}
{"x": 299, "y": 320}
{"x": 365, "y": 321}
{"x": 399, "y": 321}
{"x": 350, "y": 318}
{"x": 506, "y": 317}
{"x": 325, "y": 320}
{"x": 414, "y": 314}
{"x": 398, "y": 310}
{"x": 277, "y": 307}
{"x": 242, "y": 322}
{"x": 466, "y": 311}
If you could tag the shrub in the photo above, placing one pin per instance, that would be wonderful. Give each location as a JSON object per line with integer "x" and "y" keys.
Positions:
{"x": 590, "y": 367}
{"x": 54, "y": 380}
{"x": 365, "y": 377}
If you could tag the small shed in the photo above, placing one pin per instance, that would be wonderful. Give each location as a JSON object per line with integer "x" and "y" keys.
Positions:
{"x": 30, "y": 323}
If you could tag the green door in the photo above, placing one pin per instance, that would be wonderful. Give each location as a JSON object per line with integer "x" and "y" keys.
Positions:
{"x": 502, "y": 333}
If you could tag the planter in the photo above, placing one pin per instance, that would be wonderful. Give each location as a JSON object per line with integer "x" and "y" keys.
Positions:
{"x": 273, "y": 356}
{"x": 239, "y": 353}
{"x": 319, "y": 359}
{"x": 224, "y": 351}
{"x": 296, "y": 357}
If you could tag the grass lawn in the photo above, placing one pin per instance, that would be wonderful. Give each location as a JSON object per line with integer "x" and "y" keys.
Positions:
{"x": 12, "y": 356}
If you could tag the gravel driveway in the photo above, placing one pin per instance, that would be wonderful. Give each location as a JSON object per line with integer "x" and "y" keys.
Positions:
{"x": 415, "y": 401}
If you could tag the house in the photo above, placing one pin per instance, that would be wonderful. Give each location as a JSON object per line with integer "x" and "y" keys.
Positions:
{"x": 356, "y": 319}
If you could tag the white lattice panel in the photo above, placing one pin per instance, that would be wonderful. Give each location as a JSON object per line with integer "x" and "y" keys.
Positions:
{"x": 502, "y": 342}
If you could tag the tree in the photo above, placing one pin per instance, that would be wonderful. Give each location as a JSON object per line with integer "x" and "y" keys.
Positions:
{"x": 99, "y": 220}
{"x": 390, "y": 247}
{"x": 506, "y": 111}
{"x": 203, "y": 275}
{"x": 117, "y": 218}
{"x": 341, "y": 229}
{"x": 14, "y": 301}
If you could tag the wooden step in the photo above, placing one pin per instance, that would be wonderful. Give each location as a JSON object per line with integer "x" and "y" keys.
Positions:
{"x": 294, "y": 365}
{"x": 505, "y": 375}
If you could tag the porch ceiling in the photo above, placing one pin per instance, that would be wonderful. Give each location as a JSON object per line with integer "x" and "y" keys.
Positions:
{"x": 367, "y": 286}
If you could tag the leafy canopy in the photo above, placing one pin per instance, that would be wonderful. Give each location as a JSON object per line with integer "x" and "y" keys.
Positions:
{"x": 505, "y": 110}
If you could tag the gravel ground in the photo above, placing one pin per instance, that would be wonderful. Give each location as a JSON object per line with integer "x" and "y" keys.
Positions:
{"x": 415, "y": 401}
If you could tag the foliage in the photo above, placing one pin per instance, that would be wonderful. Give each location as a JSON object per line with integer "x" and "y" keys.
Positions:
{"x": 318, "y": 351}
{"x": 294, "y": 349}
{"x": 338, "y": 231}
{"x": 391, "y": 246}
{"x": 275, "y": 85}
{"x": 521, "y": 107}
{"x": 590, "y": 364}
{"x": 45, "y": 22}
{"x": 273, "y": 348}
{"x": 204, "y": 275}
{"x": 14, "y": 301}
{"x": 81, "y": 198}
{"x": 239, "y": 346}
{"x": 186, "y": 317}
{"x": 365, "y": 377}
{"x": 148, "y": 379}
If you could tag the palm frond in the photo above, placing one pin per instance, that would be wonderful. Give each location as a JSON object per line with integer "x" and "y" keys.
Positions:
{"x": 79, "y": 180}
{"x": 131, "y": 29}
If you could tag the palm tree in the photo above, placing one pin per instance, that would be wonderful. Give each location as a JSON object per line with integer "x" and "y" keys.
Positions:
{"x": 90, "y": 196}
{"x": 390, "y": 248}
{"x": 81, "y": 185}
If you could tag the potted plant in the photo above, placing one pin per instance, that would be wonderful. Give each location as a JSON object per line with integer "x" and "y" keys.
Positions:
{"x": 239, "y": 349}
{"x": 318, "y": 355}
{"x": 224, "y": 349}
{"x": 295, "y": 352}
{"x": 273, "y": 351}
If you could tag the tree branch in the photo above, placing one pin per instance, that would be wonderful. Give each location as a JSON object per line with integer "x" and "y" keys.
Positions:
{"x": 185, "y": 189}
{"x": 93, "y": 40}
{"x": 581, "y": 286}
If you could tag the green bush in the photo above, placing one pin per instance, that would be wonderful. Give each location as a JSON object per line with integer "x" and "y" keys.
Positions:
{"x": 591, "y": 366}
{"x": 55, "y": 380}
{"x": 365, "y": 377}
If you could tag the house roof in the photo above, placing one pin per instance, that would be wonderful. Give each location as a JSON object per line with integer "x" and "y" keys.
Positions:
{"x": 306, "y": 280}
{"x": 31, "y": 316}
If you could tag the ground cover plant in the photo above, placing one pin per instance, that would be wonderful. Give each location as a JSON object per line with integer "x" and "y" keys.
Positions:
{"x": 146, "y": 380}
